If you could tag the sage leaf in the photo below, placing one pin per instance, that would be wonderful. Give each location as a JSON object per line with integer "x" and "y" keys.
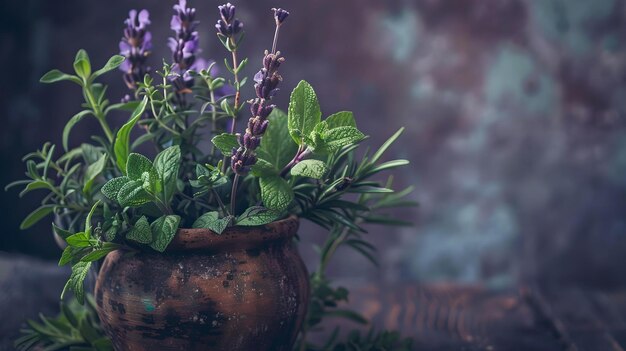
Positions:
{"x": 133, "y": 194}
{"x": 113, "y": 187}
{"x": 304, "y": 111}
{"x": 225, "y": 142}
{"x": 36, "y": 216}
{"x": 140, "y": 232}
{"x": 256, "y": 215}
{"x": 275, "y": 193}
{"x": 340, "y": 119}
{"x": 167, "y": 165}
{"x": 211, "y": 220}
{"x": 163, "y": 230}
{"x": 71, "y": 123}
{"x": 139, "y": 167}
{"x": 122, "y": 139}
{"x": 310, "y": 168}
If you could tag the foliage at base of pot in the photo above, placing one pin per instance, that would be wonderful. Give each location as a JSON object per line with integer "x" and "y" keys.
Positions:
{"x": 281, "y": 164}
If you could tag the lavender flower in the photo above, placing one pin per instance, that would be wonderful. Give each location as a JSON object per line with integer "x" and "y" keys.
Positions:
{"x": 228, "y": 25}
{"x": 266, "y": 86}
{"x": 135, "y": 46}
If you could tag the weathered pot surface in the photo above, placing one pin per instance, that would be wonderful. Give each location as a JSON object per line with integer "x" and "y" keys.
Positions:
{"x": 246, "y": 289}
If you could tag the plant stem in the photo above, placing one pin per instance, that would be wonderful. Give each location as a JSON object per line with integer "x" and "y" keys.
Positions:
{"x": 237, "y": 87}
{"x": 300, "y": 155}
{"x": 91, "y": 100}
{"x": 233, "y": 194}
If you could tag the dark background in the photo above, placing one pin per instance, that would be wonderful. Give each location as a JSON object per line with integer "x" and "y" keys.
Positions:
{"x": 514, "y": 113}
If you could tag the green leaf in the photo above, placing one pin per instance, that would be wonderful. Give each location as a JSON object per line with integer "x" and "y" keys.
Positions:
{"x": 336, "y": 138}
{"x": 60, "y": 231}
{"x": 139, "y": 167}
{"x": 277, "y": 147}
{"x": 133, "y": 194}
{"x": 98, "y": 254}
{"x": 55, "y": 75}
{"x": 82, "y": 66}
{"x": 77, "y": 279}
{"x": 140, "y": 232}
{"x": 122, "y": 139}
{"x": 310, "y": 168}
{"x": 167, "y": 165}
{"x": 263, "y": 168}
{"x": 113, "y": 187}
{"x": 164, "y": 229}
{"x": 68, "y": 255}
{"x": 386, "y": 145}
{"x": 257, "y": 215}
{"x": 70, "y": 124}
{"x": 93, "y": 171}
{"x": 78, "y": 240}
{"x": 114, "y": 62}
{"x": 212, "y": 221}
{"x": 36, "y": 216}
{"x": 304, "y": 111}
{"x": 225, "y": 142}
{"x": 340, "y": 119}
{"x": 37, "y": 184}
{"x": 275, "y": 193}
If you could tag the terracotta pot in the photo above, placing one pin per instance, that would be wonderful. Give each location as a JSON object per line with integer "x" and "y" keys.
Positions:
{"x": 246, "y": 289}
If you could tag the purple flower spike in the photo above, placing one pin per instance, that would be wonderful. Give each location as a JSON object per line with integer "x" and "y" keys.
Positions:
{"x": 266, "y": 86}
{"x": 135, "y": 46}
{"x": 280, "y": 15}
{"x": 228, "y": 25}
{"x": 227, "y": 11}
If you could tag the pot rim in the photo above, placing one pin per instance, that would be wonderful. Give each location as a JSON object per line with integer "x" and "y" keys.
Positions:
{"x": 187, "y": 239}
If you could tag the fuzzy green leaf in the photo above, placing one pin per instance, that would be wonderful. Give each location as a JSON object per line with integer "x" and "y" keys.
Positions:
{"x": 133, "y": 194}
{"x": 340, "y": 119}
{"x": 167, "y": 164}
{"x": 336, "y": 138}
{"x": 310, "y": 168}
{"x": 71, "y": 123}
{"x": 139, "y": 167}
{"x": 164, "y": 229}
{"x": 55, "y": 75}
{"x": 304, "y": 111}
{"x": 76, "y": 281}
{"x": 263, "y": 168}
{"x": 122, "y": 139}
{"x": 140, "y": 232}
{"x": 113, "y": 187}
{"x": 114, "y": 62}
{"x": 93, "y": 171}
{"x": 211, "y": 220}
{"x": 275, "y": 193}
{"x": 256, "y": 215}
{"x": 277, "y": 147}
{"x": 36, "y": 216}
{"x": 225, "y": 142}
{"x": 82, "y": 65}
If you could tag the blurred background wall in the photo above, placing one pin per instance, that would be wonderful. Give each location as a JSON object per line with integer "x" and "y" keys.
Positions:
{"x": 515, "y": 116}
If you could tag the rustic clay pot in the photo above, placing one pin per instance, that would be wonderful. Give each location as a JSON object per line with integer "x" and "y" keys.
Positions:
{"x": 246, "y": 289}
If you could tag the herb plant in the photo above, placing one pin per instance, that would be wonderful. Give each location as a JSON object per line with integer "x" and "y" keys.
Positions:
{"x": 105, "y": 195}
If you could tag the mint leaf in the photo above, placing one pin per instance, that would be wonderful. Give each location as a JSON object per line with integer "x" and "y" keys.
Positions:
{"x": 167, "y": 164}
{"x": 211, "y": 220}
{"x": 82, "y": 66}
{"x": 163, "y": 230}
{"x": 122, "y": 139}
{"x": 256, "y": 215}
{"x": 275, "y": 193}
{"x": 113, "y": 186}
{"x": 304, "y": 112}
{"x": 93, "y": 171}
{"x": 225, "y": 142}
{"x": 336, "y": 138}
{"x": 310, "y": 168}
{"x": 263, "y": 168}
{"x": 133, "y": 194}
{"x": 277, "y": 147}
{"x": 76, "y": 281}
{"x": 78, "y": 240}
{"x": 140, "y": 232}
{"x": 55, "y": 75}
{"x": 340, "y": 119}
{"x": 99, "y": 253}
{"x": 60, "y": 231}
{"x": 71, "y": 123}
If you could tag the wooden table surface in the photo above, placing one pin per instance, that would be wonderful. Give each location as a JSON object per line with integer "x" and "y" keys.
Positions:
{"x": 456, "y": 317}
